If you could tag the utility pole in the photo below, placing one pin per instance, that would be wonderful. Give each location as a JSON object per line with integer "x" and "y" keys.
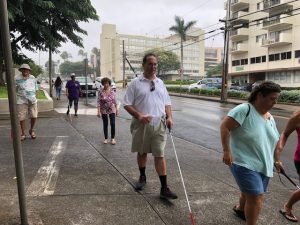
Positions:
{"x": 226, "y": 51}
{"x": 124, "y": 60}
{"x": 86, "y": 74}
{"x": 15, "y": 129}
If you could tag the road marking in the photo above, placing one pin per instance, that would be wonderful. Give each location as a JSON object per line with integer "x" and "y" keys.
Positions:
{"x": 45, "y": 180}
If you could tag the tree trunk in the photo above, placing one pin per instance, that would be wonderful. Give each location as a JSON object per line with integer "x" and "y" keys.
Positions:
{"x": 181, "y": 59}
{"x": 50, "y": 72}
{"x": 2, "y": 67}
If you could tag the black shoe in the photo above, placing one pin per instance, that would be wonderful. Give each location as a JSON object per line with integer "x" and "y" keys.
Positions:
{"x": 75, "y": 115}
{"x": 68, "y": 112}
{"x": 141, "y": 183}
{"x": 166, "y": 193}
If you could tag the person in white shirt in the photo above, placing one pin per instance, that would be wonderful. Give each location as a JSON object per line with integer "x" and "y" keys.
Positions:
{"x": 148, "y": 101}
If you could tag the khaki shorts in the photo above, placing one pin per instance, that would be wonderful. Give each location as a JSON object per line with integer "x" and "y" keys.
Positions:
{"x": 147, "y": 138}
{"x": 25, "y": 109}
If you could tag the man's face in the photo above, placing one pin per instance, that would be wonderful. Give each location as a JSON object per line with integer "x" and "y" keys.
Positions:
{"x": 72, "y": 78}
{"x": 25, "y": 72}
{"x": 150, "y": 66}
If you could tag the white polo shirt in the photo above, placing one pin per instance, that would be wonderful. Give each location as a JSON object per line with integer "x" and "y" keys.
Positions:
{"x": 148, "y": 102}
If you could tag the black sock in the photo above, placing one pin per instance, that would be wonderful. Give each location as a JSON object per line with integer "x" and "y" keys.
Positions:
{"x": 163, "y": 180}
{"x": 142, "y": 171}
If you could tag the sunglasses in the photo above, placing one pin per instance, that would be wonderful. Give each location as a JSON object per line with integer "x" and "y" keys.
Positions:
{"x": 152, "y": 86}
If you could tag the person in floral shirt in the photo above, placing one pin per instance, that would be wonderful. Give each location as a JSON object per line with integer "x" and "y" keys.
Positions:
{"x": 107, "y": 107}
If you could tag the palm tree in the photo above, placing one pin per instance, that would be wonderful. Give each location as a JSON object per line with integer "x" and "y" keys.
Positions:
{"x": 181, "y": 30}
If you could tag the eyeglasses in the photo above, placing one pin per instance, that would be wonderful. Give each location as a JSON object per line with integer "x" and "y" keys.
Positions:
{"x": 152, "y": 86}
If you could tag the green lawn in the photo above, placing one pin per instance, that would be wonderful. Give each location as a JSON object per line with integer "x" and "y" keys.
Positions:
{"x": 3, "y": 93}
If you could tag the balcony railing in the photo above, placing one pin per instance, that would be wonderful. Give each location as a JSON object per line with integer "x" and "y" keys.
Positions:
{"x": 270, "y": 3}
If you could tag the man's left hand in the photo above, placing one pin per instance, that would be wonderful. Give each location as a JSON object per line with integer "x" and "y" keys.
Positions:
{"x": 169, "y": 123}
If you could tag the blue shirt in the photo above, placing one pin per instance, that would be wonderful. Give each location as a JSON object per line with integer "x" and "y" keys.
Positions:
{"x": 26, "y": 89}
{"x": 253, "y": 143}
{"x": 73, "y": 88}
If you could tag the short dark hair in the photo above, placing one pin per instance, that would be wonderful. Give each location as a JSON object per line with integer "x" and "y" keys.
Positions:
{"x": 264, "y": 88}
{"x": 104, "y": 80}
{"x": 148, "y": 55}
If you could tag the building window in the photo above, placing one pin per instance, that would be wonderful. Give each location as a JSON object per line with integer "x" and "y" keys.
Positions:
{"x": 258, "y": 6}
{"x": 277, "y": 56}
{"x": 283, "y": 56}
{"x": 244, "y": 61}
{"x": 277, "y": 76}
{"x": 263, "y": 59}
{"x": 252, "y": 60}
{"x": 297, "y": 76}
{"x": 289, "y": 55}
{"x": 297, "y": 54}
{"x": 271, "y": 57}
{"x": 258, "y": 60}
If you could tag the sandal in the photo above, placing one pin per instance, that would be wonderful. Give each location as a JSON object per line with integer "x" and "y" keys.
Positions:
{"x": 32, "y": 134}
{"x": 23, "y": 137}
{"x": 239, "y": 213}
{"x": 288, "y": 215}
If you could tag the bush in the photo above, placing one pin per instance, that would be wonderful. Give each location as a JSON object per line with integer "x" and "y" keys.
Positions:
{"x": 284, "y": 97}
{"x": 185, "y": 82}
{"x": 289, "y": 96}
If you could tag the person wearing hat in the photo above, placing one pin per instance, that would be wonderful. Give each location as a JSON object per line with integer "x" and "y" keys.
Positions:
{"x": 72, "y": 92}
{"x": 27, "y": 87}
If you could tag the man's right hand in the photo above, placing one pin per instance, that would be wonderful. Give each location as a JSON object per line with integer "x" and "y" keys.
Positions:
{"x": 144, "y": 119}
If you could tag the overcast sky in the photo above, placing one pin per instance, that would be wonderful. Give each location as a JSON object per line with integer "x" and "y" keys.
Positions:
{"x": 143, "y": 17}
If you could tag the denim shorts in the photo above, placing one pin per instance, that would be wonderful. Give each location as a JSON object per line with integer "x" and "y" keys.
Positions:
{"x": 249, "y": 181}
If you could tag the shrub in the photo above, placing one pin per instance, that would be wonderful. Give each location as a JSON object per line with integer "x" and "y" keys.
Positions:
{"x": 185, "y": 82}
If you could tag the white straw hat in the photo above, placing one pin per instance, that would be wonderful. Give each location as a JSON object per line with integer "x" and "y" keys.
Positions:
{"x": 25, "y": 66}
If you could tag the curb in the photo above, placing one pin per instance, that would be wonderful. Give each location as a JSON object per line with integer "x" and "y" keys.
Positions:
{"x": 43, "y": 105}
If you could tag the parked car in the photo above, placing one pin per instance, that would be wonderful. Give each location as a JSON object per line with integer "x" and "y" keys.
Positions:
{"x": 99, "y": 85}
{"x": 92, "y": 89}
{"x": 207, "y": 83}
{"x": 256, "y": 83}
{"x": 234, "y": 86}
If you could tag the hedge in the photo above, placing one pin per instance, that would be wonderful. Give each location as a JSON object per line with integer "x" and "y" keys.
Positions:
{"x": 285, "y": 96}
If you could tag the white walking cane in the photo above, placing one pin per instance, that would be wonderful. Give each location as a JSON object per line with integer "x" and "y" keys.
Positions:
{"x": 186, "y": 196}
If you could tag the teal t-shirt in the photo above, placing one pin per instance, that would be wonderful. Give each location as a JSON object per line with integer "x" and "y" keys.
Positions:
{"x": 253, "y": 143}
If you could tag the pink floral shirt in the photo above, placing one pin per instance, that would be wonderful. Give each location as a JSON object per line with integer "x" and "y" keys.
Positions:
{"x": 107, "y": 102}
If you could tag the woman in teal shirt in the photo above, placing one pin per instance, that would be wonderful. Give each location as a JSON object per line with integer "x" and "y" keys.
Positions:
{"x": 249, "y": 137}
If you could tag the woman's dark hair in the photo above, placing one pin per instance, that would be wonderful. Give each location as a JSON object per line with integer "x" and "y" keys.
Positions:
{"x": 104, "y": 80}
{"x": 57, "y": 82}
{"x": 264, "y": 88}
{"x": 148, "y": 55}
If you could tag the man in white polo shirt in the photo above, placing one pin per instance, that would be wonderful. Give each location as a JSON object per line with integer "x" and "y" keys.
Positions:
{"x": 148, "y": 101}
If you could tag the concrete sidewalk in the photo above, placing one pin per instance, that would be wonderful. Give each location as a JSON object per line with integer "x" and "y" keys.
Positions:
{"x": 72, "y": 178}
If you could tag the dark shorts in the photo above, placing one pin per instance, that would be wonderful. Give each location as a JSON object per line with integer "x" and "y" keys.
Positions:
{"x": 297, "y": 165}
{"x": 249, "y": 181}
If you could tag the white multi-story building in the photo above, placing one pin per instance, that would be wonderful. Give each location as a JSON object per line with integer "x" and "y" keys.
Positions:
{"x": 213, "y": 56}
{"x": 111, "y": 44}
{"x": 267, "y": 46}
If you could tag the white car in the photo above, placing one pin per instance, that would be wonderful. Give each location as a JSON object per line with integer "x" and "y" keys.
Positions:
{"x": 99, "y": 85}
{"x": 197, "y": 85}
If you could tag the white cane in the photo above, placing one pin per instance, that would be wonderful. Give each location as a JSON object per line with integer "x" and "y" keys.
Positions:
{"x": 186, "y": 196}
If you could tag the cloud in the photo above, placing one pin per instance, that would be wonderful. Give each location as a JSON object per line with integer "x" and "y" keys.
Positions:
{"x": 143, "y": 17}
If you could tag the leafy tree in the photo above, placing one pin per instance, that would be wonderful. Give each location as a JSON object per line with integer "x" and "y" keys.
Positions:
{"x": 82, "y": 53}
{"x": 65, "y": 56}
{"x": 96, "y": 52}
{"x": 45, "y": 25}
{"x": 180, "y": 28}
{"x": 167, "y": 61}
{"x": 216, "y": 70}
{"x": 67, "y": 67}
